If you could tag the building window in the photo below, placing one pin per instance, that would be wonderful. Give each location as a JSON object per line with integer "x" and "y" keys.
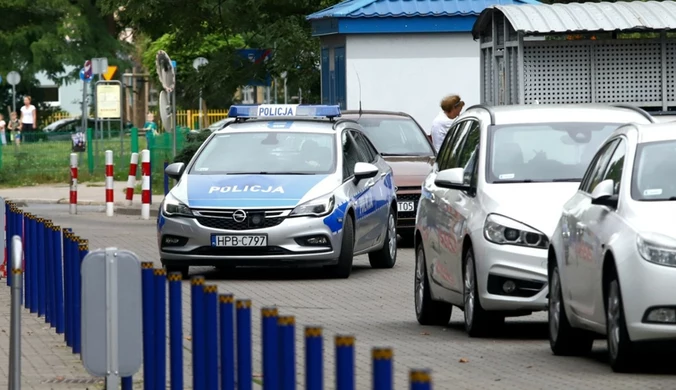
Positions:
{"x": 50, "y": 94}
{"x": 248, "y": 94}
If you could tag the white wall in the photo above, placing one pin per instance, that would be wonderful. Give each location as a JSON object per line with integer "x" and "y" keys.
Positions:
{"x": 70, "y": 95}
{"x": 411, "y": 72}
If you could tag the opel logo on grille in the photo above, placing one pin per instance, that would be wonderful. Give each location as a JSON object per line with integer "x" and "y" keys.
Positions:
{"x": 239, "y": 216}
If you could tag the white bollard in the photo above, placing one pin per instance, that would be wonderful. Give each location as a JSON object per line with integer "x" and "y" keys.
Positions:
{"x": 131, "y": 179}
{"x": 110, "y": 203}
{"x": 145, "y": 184}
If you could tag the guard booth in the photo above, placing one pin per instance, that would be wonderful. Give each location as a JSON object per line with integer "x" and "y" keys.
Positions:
{"x": 622, "y": 52}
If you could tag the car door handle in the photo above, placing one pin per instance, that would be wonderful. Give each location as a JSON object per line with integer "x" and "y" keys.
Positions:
{"x": 370, "y": 183}
{"x": 580, "y": 227}
{"x": 383, "y": 174}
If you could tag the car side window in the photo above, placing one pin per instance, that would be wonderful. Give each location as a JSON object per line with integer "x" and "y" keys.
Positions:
{"x": 615, "y": 166}
{"x": 364, "y": 145}
{"x": 469, "y": 152}
{"x": 443, "y": 157}
{"x": 595, "y": 174}
{"x": 457, "y": 152}
{"x": 351, "y": 154}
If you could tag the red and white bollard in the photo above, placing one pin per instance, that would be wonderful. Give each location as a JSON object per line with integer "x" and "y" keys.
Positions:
{"x": 73, "y": 183}
{"x": 131, "y": 180}
{"x": 145, "y": 184}
{"x": 110, "y": 203}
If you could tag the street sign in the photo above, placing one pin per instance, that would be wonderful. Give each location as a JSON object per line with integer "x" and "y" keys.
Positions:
{"x": 173, "y": 64}
{"x": 13, "y": 78}
{"x": 199, "y": 62}
{"x": 108, "y": 75}
{"x": 88, "y": 71}
{"x": 108, "y": 101}
{"x": 111, "y": 314}
{"x": 99, "y": 65}
{"x": 83, "y": 75}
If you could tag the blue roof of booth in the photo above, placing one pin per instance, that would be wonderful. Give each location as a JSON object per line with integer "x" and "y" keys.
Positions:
{"x": 401, "y": 16}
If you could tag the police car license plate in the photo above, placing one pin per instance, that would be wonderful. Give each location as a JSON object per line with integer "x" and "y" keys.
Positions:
{"x": 239, "y": 240}
{"x": 404, "y": 207}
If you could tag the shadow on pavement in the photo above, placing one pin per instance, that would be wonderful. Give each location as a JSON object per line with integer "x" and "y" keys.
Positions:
{"x": 511, "y": 330}
{"x": 271, "y": 273}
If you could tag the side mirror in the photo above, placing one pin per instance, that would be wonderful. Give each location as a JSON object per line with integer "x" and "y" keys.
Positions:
{"x": 452, "y": 179}
{"x": 603, "y": 194}
{"x": 175, "y": 170}
{"x": 364, "y": 171}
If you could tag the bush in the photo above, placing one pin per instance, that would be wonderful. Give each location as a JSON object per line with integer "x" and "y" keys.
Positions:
{"x": 193, "y": 142}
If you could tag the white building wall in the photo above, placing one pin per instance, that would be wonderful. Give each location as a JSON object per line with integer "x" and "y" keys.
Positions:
{"x": 70, "y": 95}
{"x": 411, "y": 72}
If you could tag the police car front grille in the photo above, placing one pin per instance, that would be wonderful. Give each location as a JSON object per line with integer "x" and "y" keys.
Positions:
{"x": 408, "y": 198}
{"x": 222, "y": 219}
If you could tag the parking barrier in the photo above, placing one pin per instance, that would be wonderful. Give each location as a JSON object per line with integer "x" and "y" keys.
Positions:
{"x": 221, "y": 325}
{"x": 110, "y": 189}
{"x": 131, "y": 179}
{"x": 73, "y": 183}
{"x": 145, "y": 184}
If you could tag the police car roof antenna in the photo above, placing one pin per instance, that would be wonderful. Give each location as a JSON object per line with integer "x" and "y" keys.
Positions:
{"x": 359, "y": 83}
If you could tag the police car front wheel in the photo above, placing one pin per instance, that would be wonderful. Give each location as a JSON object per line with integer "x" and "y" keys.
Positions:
{"x": 343, "y": 269}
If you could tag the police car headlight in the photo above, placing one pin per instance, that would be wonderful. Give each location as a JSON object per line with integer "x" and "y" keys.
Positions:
{"x": 173, "y": 208}
{"x": 316, "y": 207}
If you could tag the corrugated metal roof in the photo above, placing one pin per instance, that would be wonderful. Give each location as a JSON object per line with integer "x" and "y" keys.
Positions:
{"x": 409, "y": 8}
{"x": 604, "y": 16}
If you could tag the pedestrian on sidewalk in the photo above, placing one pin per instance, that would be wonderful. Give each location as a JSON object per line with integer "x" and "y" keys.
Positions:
{"x": 14, "y": 127}
{"x": 3, "y": 136}
{"x": 450, "y": 109}
{"x": 29, "y": 116}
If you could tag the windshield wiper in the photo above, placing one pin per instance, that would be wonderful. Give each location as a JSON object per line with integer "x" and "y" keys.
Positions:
{"x": 566, "y": 180}
{"x": 515, "y": 181}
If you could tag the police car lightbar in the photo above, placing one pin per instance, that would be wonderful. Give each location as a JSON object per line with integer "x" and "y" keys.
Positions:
{"x": 283, "y": 110}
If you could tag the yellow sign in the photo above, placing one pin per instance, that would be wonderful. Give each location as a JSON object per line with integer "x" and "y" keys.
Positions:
{"x": 108, "y": 101}
{"x": 110, "y": 72}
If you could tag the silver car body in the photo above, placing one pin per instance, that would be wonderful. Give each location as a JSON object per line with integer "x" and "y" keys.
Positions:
{"x": 451, "y": 221}
{"x": 218, "y": 200}
{"x": 591, "y": 239}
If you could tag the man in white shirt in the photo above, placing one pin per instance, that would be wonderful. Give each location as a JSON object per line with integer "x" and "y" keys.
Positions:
{"x": 450, "y": 109}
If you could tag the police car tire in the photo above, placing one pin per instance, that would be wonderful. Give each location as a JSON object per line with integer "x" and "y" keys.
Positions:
{"x": 382, "y": 258}
{"x": 343, "y": 269}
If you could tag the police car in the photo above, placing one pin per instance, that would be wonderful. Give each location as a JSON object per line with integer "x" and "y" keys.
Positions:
{"x": 282, "y": 185}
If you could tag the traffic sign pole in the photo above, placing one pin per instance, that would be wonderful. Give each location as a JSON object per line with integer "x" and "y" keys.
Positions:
{"x": 13, "y": 78}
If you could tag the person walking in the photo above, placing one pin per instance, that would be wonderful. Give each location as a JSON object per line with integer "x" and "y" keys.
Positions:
{"x": 15, "y": 127}
{"x": 3, "y": 135}
{"x": 29, "y": 116}
{"x": 150, "y": 126}
{"x": 450, "y": 109}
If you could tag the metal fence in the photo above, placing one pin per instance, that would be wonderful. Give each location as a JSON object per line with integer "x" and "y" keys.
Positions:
{"x": 185, "y": 118}
{"x": 221, "y": 325}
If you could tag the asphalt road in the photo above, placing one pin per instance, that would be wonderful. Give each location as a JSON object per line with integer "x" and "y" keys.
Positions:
{"x": 377, "y": 307}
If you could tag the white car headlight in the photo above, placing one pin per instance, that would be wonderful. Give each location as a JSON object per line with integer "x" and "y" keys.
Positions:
{"x": 657, "y": 248}
{"x": 171, "y": 207}
{"x": 317, "y": 207}
{"x": 506, "y": 231}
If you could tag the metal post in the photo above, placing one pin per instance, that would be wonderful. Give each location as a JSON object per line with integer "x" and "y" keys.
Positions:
{"x": 382, "y": 368}
{"x": 197, "y": 321}
{"x": 13, "y": 98}
{"x": 148, "y": 325}
{"x": 15, "y": 327}
{"x": 420, "y": 380}
{"x": 314, "y": 356}
{"x": 174, "y": 121}
{"x": 175, "y": 332}
{"x": 113, "y": 377}
{"x": 58, "y": 276}
{"x": 227, "y": 335}
{"x": 270, "y": 348}
{"x": 84, "y": 107}
{"x": 243, "y": 331}
{"x": 286, "y": 92}
{"x": 160, "y": 328}
{"x": 201, "y": 113}
{"x": 287, "y": 352}
{"x": 211, "y": 335}
{"x": 345, "y": 363}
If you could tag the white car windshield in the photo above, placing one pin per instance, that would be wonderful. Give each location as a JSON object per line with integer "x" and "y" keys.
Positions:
{"x": 267, "y": 153}
{"x": 396, "y": 136}
{"x": 543, "y": 152}
{"x": 654, "y": 172}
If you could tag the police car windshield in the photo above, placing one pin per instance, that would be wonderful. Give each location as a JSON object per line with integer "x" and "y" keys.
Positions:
{"x": 273, "y": 153}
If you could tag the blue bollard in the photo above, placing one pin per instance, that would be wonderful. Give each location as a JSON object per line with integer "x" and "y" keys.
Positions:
{"x": 9, "y": 217}
{"x": 127, "y": 383}
{"x": 345, "y": 363}
{"x": 58, "y": 278}
{"x": 68, "y": 286}
{"x": 197, "y": 321}
{"x": 48, "y": 250}
{"x": 382, "y": 368}
{"x": 41, "y": 267}
{"x": 270, "y": 348}
{"x": 148, "y": 303}
{"x": 227, "y": 324}
{"x": 81, "y": 250}
{"x": 33, "y": 273}
{"x": 287, "y": 352}
{"x": 160, "y": 328}
{"x": 314, "y": 358}
{"x": 175, "y": 331}
{"x": 166, "y": 179}
{"x": 211, "y": 335}
{"x": 27, "y": 250}
{"x": 420, "y": 380}
{"x": 244, "y": 375}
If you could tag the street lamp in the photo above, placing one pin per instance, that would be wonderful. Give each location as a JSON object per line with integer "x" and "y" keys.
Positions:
{"x": 197, "y": 64}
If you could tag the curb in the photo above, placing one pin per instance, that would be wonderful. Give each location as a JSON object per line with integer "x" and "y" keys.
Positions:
{"x": 119, "y": 209}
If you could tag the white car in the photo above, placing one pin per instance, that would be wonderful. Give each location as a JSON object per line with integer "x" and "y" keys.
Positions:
{"x": 612, "y": 259}
{"x": 492, "y": 201}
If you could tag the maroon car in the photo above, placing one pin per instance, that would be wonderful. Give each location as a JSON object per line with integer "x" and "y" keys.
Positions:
{"x": 408, "y": 150}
